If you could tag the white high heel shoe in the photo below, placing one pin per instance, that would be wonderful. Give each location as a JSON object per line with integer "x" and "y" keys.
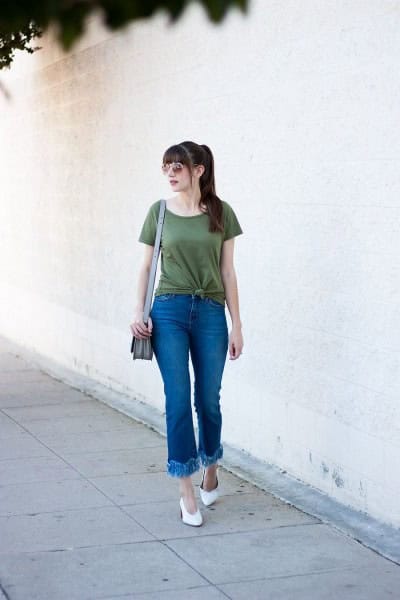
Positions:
{"x": 194, "y": 519}
{"x": 208, "y": 498}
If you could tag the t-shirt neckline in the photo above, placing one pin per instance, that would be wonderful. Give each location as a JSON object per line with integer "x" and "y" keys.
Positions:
{"x": 185, "y": 216}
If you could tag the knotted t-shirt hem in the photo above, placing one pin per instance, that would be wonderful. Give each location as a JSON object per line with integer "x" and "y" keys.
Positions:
{"x": 217, "y": 296}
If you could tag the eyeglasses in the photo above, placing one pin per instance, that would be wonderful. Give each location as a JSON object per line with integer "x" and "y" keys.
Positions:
{"x": 176, "y": 167}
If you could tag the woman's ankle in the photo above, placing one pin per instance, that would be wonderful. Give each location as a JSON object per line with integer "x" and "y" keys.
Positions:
{"x": 189, "y": 499}
{"x": 210, "y": 477}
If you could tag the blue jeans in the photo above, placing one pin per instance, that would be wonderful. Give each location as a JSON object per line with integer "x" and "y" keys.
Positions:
{"x": 184, "y": 323}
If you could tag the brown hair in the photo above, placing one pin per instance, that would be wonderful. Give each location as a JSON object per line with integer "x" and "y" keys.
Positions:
{"x": 191, "y": 154}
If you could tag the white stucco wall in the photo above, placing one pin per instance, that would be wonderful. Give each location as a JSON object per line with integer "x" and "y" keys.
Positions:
{"x": 300, "y": 103}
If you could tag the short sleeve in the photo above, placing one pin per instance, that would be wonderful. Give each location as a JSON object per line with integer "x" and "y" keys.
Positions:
{"x": 149, "y": 227}
{"x": 231, "y": 224}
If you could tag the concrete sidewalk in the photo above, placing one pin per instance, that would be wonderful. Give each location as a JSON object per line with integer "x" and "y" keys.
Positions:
{"x": 87, "y": 511}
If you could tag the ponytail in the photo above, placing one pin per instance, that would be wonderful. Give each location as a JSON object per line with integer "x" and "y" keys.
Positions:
{"x": 201, "y": 154}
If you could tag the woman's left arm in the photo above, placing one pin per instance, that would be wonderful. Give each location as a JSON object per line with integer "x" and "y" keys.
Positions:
{"x": 228, "y": 276}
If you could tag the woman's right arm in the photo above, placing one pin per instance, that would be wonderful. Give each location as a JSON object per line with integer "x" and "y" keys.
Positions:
{"x": 138, "y": 327}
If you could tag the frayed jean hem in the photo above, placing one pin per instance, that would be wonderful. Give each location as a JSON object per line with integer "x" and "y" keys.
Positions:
{"x": 210, "y": 460}
{"x": 177, "y": 469}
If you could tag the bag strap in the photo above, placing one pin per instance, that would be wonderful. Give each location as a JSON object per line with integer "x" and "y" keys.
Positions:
{"x": 153, "y": 270}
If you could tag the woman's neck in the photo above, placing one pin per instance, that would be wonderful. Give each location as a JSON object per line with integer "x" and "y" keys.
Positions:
{"x": 176, "y": 204}
{"x": 189, "y": 202}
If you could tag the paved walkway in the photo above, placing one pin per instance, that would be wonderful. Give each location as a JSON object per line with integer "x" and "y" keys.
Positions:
{"x": 87, "y": 511}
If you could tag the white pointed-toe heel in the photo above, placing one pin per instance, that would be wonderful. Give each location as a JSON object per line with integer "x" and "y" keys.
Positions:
{"x": 208, "y": 498}
{"x": 194, "y": 519}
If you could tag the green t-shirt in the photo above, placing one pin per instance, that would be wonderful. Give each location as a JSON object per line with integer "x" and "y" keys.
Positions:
{"x": 190, "y": 254}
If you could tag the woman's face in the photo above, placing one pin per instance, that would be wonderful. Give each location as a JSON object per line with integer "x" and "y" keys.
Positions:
{"x": 180, "y": 177}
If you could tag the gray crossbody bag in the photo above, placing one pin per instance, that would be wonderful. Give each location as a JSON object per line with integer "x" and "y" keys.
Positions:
{"x": 143, "y": 348}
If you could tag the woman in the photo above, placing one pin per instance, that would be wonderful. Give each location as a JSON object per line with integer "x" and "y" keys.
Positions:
{"x": 188, "y": 315}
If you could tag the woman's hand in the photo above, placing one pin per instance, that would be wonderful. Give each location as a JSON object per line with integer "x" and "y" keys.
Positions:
{"x": 235, "y": 343}
{"x": 138, "y": 328}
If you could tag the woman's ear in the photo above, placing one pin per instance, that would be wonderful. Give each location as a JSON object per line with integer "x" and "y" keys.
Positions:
{"x": 200, "y": 170}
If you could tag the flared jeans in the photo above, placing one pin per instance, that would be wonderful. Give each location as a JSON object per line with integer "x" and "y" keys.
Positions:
{"x": 186, "y": 324}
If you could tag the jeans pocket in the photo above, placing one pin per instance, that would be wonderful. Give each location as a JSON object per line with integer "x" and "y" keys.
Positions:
{"x": 164, "y": 297}
{"x": 214, "y": 302}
